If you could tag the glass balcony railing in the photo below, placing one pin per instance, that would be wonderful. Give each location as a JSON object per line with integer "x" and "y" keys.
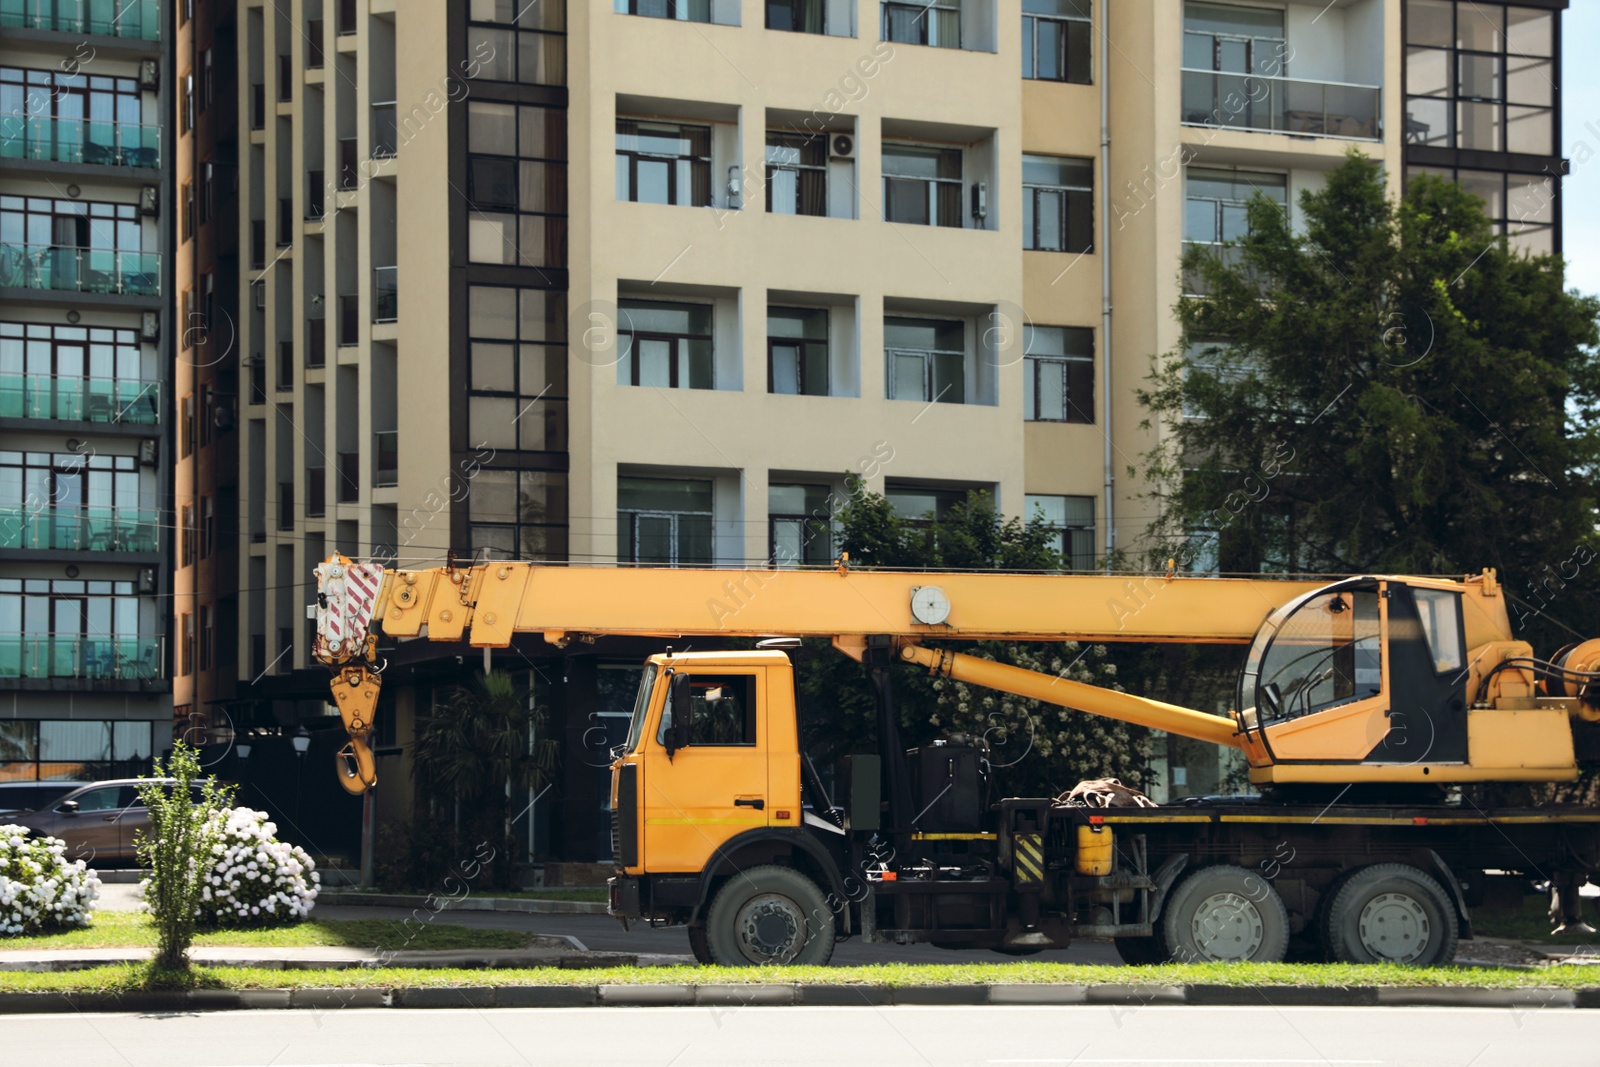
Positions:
{"x": 386, "y": 459}
{"x": 86, "y": 529}
{"x": 112, "y": 144}
{"x": 76, "y": 656}
{"x": 1282, "y": 105}
{"x": 385, "y": 294}
{"x": 45, "y": 396}
{"x": 112, "y": 18}
{"x": 80, "y": 270}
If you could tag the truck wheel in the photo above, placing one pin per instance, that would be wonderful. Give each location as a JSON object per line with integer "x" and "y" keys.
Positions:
{"x": 1225, "y": 914}
{"x": 1390, "y": 913}
{"x": 699, "y": 945}
{"x": 1142, "y": 951}
{"x": 769, "y": 915}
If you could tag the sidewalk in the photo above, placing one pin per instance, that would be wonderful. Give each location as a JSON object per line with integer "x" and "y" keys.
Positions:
{"x": 551, "y": 951}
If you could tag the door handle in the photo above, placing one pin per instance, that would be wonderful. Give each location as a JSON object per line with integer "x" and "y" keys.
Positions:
{"x": 109, "y": 818}
{"x": 750, "y": 802}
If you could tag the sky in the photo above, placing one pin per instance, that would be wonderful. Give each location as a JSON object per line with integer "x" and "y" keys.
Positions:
{"x": 1580, "y": 103}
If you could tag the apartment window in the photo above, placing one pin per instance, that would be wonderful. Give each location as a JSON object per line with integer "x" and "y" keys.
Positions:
{"x": 797, "y": 351}
{"x": 518, "y": 514}
{"x": 1058, "y": 374}
{"x": 517, "y": 183}
{"x": 92, "y": 224}
{"x": 186, "y": 643}
{"x": 921, "y": 185}
{"x": 187, "y": 113}
{"x": 36, "y": 750}
{"x": 208, "y": 83}
{"x": 664, "y": 345}
{"x": 1216, "y": 204}
{"x": 208, "y": 526}
{"x": 73, "y": 372}
{"x": 1234, "y": 40}
{"x": 663, "y": 162}
{"x": 74, "y": 117}
{"x": 519, "y": 41}
{"x": 799, "y": 526}
{"x": 517, "y": 378}
{"x": 208, "y": 190}
{"x": 1071, "y": 519}
{"x": 1480, "y": 75}
{"x": 188, "y": 211}
{"x": 1055, "y": 40}
{"x": 927, "y": 359}
{"x": 664, "y": 520}
{"x": 798, "y": 16}
{"x": 921, "y": 505}
{"x": 186, "y": 428}
{"x": 1521, "y": 206}
{"x": 683, "y": 10}
{"x": 186, "y": 531}
{"x": 797, "y": 173}
{"x": 936, "y": 23}
{"x": 1057, "y": 204}
{"x": 208, "y": 638}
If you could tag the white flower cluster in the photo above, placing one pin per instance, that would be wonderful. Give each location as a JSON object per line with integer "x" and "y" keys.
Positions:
{"x": 255, "y": 879}
{"x": 39, "y": 889}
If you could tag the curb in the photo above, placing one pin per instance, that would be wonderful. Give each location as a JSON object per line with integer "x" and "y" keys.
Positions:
{"x": 738, "y": 996}
{"x": 523, "y": 905}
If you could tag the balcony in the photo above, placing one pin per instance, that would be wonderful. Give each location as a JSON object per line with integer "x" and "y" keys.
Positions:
{"x": 258, "y": 107}
{"x": 349, "y": 320}
{"x": 285, "y": 380}
{"x": 80, "y": 270}
{"x": 316, "y": 343}
{"x": 316, "y": 492}
{"x": 347, "y": 17}
{"x": 75, "y": 656}
{"x": 385, "y": 294}
{"x": 137, "y": 19}
{"x": 109, "y": 144}
{"x": 386, "y": 459}
{"x": 314, "y": 57}
{"x": 285, "y": 78}
{"x": 258, "y": 379}
{"x": 286, "y": 505}
{"x": 349, "y": 166}
{"x": 285, "y": 222}
{"x": 349, "y": 486}
{"x": 114, "y": 400}
{"x": 385, "y": 135}
{"x": 258, "y": 244}
{"x": 1282, "y": 105}
{"x": 68, "y": 529}
{"x": 314, "y": 200}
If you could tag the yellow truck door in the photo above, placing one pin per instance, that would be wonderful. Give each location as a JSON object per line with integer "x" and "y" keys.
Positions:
{"x": 714, "y": 785}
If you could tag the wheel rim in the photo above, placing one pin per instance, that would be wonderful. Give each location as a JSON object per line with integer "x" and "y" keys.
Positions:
{"x": 1394, "y": 927}
{"x": 771, "y": 929}
{"x": 1227, "y": 926}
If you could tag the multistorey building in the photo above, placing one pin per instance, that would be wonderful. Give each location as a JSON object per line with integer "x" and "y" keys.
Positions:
{"x": 661, "y": 281}
{"x": 85, "y": 406}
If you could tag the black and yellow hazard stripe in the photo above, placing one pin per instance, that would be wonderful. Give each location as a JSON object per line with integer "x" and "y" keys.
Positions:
{"x": 1027, "y": 858}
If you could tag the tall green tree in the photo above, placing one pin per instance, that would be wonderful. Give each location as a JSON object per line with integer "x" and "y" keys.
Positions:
{"x": 478, "y": 752}
{"x": 1385, "y": 387}
{"x": 1043, "y": 749}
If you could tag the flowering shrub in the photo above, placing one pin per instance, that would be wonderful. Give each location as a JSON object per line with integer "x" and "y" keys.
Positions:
{"x": 39, "y": 889}
{"x": 255, "y": 879}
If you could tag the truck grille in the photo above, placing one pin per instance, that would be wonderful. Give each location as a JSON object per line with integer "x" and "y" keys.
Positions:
{"x": 625, "y": 818}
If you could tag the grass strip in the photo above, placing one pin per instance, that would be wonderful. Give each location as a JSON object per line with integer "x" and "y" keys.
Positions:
{"x": 128, "y": 929}
{"x": 127, "y": 977}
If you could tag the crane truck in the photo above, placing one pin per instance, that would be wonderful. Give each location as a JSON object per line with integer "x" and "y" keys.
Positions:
{"x": 1363, "y": 705}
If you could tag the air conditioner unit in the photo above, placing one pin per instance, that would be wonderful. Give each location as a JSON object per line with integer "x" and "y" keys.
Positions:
{"x": 149, "y": 75}
{"x": 147, "y": 580}
{"x": 150, "y": 200}
{"x": 150, "y": 326}
{"x": 980, "y": 202}
{"x": 147, "y": 452}
{"x": 841, "y": 146}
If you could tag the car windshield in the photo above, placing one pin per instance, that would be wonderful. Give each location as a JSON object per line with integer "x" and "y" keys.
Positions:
{"x": 641, "y": 704}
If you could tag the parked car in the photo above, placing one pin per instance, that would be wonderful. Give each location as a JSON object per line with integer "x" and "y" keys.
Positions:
{"x": 31, "y": 796}
{"x": 99, "y": 821}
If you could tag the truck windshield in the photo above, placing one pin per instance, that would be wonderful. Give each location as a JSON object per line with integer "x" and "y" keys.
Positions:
{"x": 640, "y": 705}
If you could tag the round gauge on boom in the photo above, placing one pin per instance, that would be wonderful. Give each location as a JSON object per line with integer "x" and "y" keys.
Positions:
{"x": 929, "y": 605}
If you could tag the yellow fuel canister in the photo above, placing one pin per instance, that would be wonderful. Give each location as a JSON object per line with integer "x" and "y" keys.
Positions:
{"x": 1096, "y": 849}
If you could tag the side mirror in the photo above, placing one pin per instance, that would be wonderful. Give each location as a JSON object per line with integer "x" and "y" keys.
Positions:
{"x": 68, "y": 807}
{"x": 1270, "y": 697}
{"x": 675, "y": 719}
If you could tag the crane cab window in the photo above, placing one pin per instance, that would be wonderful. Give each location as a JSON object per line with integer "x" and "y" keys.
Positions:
{"x": 1325, "y": 654}
{"x": 1441, "y": 627}
{"x": 722, "y": 711}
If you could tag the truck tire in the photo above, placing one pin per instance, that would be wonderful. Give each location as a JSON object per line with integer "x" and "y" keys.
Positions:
{"x": 1225, "y": 914}
{"x": 769, "y": 915}
{"x": 1390, "y": 913}
{"x": 699, "y": 945}
{"x": 1142, "y": 951}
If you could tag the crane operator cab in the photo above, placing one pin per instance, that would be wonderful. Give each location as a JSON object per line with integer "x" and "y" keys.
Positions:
{"x": 1381, "y": 680}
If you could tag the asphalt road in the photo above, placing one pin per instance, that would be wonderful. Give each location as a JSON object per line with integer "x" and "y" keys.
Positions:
{"x": 883, "y": 1037}
{"x": 601, "y": 933}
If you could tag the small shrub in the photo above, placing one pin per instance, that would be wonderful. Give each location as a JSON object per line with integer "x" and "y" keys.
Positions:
{"x": 254, "y": 879}
{"x": 182, "y": 831}
{"x": 39, "y": 888}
